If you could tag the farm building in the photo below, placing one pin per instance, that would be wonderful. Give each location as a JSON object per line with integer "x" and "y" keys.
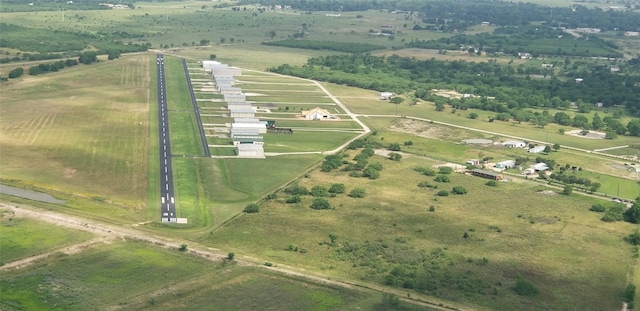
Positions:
{"x": 250, "y": 150}
{"x": 473, "y": 162}
{"x": 386, "y": 95}
{"x": 242, "y": 113}
{"x": 506, "y": 164}
{"x": 514, "y": 144}
{"x": 487, "y": 174}
{"x": 248, "y": 120}
{"x": 235, "y": 98}
{"x": 244, "y": 131}
{"x": 539, "y": 167}
{"x": 239, "y": 106}
{"x": 317, "y": 114}
{"x": 537, "y": 149}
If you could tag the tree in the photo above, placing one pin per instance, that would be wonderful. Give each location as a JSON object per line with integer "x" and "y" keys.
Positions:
{"x": 183, "y": 247}
{"x": 473, "y": 115}
{"x": 561, "y": 131}
{"x": 294, "y": 199}
{"x": 212, "y": 56}
{"x": 337, "y": 188}
{"x": 442, "y": 178}
{"x": 320, "y": 203}
{"x": 394, "y": 147}
{"x": 443, "y": 193}
{"x": 16, "y": 73}
{"x": 634, "y": 238}
{"x": 319, "y": 191}
{"x": 371, "y": 172}
{"x": 567, "y": 190}
{"x": 357, "y": 193}
{"x": 272, "y": 34}
{"x": 252, "y": 208}
{"x": 634, "y": 127}
{"x": 395, "y": 156}
{"x": 439, "y": 107}
{"x": 556, "y": 147}
{"x": 396, "y": 100}
{"x": 632, "y": 214}
{"x": 492, "y": 183}
{"x": 230, "y": 256}
{"x": 596, "y": 122}
{"x": 446, "y": 170}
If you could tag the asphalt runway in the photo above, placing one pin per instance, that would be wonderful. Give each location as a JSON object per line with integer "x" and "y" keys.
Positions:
{"x": 167, "y": 199}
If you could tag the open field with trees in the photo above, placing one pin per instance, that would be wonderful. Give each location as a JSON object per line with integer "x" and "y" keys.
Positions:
{"x": 382, "y": 217}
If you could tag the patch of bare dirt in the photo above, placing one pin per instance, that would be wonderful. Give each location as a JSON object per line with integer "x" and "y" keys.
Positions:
{"x": 589, "y": 134}
{"x": 69, "y": 172}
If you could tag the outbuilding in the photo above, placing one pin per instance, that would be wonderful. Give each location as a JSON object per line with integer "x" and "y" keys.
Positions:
{"x": 506, "y": 164}
{"x": 242, "y": 113}
{"x": 514, "y": 144}
{"x": 386, "y": 95}
{"x": 537, "y": 149}
{"x": 487, "y": 174}
{"x": 317, "y": 114}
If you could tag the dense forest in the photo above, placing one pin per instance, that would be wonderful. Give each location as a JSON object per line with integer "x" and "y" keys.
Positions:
{"x": 499, "y": 88}
{"x": 457, "y": 15}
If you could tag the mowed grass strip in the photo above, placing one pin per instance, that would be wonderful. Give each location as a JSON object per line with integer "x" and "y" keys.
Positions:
{"x": 82, "y": 130}
{"x": 24, "y": 237}
{"x": 101, "y": 277}
{"x": 512, "y": 230}
{"x": 305, "y": 141}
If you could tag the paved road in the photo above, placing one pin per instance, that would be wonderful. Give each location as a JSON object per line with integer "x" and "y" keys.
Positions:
{"x": 167, "y": 199}
{"x": 203, "y": 137}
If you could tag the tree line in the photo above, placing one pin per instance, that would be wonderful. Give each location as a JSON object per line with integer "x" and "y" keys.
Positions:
{"x": 347, "y": 47}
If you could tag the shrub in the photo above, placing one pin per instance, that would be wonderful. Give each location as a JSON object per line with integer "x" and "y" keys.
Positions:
{"x": 394, "y": 147}
{"x": 459, "y": 190}
{"x": 371, "y": 173}
{"x": 357, "y": 193}
{"x": 525, "y": 288}
{"x": 294, "y": 199}
{"x": 319, "y": 191}
{"x": 426, "y": 184}
{"x": 492, "y": 183}
{"x": 252, "y": 208}
{"x": 337, "y": 188}
{"x": 632, "y": 214}
{"x": 295, "y": 189}
{"x": 634, "y": 238}
{"x": 376, "y": 166}
{"x": 429, "y": 172}
{"x": 230, "y": 256}
{"x": 445, "y": 170}
{"x": 394, "y": 156}
{"x": 320, "y": 203}
{"x": 598, "y": 208}
{"x": 442, "y": 178}
{"x": 443, "y": 193}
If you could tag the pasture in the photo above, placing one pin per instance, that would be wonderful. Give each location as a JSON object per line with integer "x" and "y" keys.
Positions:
{"x": 82, "y": 130}
{"x": 507, "y": 236}
{"x": 24, "y": 237}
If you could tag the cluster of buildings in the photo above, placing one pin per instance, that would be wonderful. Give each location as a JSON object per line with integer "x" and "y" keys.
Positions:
{"x": 246, "y": 130}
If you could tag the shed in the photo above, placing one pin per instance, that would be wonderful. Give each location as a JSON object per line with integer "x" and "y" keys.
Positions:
{"x": 317, "y": 114}
{"x": 386, "y": 95}
{"x": 208, "y": 65}
{"x": 473, "y": 162}
{"x": 506, "y": 164}
{"x": 239, "y": 106}
{"x": 514, "y": 144}
{"x": 537, "y": 149}
{"x": 539, "y": 167}
{"x": 235, "y": 98}
{"x": 250, "y": 150}
{"x": 261, "y": 126}
{"x": 487, "y": 174}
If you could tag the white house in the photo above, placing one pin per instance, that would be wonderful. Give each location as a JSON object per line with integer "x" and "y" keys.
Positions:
{"x": 250, "y": 150}
{"x": 539, "y": 167}
{"x": 537, "y": 149}
{"x": 514, "y": 144}
{"x": 386, "y": 95}
{"x": 208, "y": 65}
{"x": 506, "y": 164}
{"x": 317, "y": 114}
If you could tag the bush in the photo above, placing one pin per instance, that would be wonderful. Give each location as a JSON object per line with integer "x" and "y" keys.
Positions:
{"x": 492, "y": 183}
{"x": 320, "y": 203}
{"x": 598, "y": 208}
{"x": 337, "y": 188}
{"x": 319, "y": 191}
{"x": 443, "y": 193}
{"x": 442, "y": 178}
{"x": 357, "y": 193}
{"x": 632, "y": 215}
{"x": 230, "y": 256}
{"x": 376, "y": 166}
{"x": 295, "y": 189}
{"x": 445, "y": 170}
{"x": 459, "y": 190}
{"x": 429, "y": 172}
{"x": 525, "y": 288}
{"x": 394, "y": 147}
{"x": 426, "y": 184}
{"x": 395, "y": 156}
{"x": 252, "y": 208}
{"x": 634, "y": 238}
{"x": 371, "y": 173}
{"x": 294, "y": 199}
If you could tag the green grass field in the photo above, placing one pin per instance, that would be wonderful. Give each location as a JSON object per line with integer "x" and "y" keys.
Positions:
{"x": 23, "y": 237}
{"x": 541, "y": 237}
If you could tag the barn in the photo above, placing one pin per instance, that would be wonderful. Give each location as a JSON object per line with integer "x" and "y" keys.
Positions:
{"x": 487, "y": 174}
{"x": 317, "y": 114}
